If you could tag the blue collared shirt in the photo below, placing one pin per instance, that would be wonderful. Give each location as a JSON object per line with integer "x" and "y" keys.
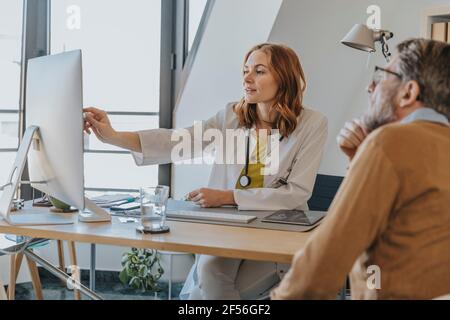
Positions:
{"x": 426, "y": 114}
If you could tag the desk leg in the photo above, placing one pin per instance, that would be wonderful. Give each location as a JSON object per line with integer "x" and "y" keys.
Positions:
{"x": 74, "y": 263}
{"x": 92, "y": 269}
{"x": 15, "y": 263}
{"x": 170, "y": 276}
{"x": 3, "y": 295}
{"x": 62, "y": 264}
{"x": 34, "y": 273}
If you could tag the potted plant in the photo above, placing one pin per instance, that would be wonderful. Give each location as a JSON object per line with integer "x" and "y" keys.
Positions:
{"x": 141, "y": 269}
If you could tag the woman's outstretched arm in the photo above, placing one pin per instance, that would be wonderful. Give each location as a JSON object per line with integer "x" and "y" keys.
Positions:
{"x": 97, "y": 121}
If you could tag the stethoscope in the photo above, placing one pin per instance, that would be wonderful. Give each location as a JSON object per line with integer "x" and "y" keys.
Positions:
{"x": 245, "y": 181}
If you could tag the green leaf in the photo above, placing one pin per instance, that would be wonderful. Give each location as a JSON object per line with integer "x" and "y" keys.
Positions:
{"x": 141, "y": 269}
{"x": 135, "y": 283}
{"x": 134, "y": 260}
{"x": 123, "y": 277}
{"x": 130, "y": 272}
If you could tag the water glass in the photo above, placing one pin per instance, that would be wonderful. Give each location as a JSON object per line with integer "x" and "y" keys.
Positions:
{"x": 153, "y": 202}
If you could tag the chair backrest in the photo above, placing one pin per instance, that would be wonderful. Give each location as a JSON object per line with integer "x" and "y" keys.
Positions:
{"x": 324, "y": 191}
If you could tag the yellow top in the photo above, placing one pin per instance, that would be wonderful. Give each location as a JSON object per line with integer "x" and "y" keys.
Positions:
{"x": 255, "y": 167}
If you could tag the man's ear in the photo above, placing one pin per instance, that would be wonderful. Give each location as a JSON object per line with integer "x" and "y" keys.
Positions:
{"x": 409, "y": 94}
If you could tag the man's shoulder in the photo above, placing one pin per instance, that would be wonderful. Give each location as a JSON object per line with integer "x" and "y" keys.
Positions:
{"x": 398, "y": 138}
{"x": 392, "y": 132}
{"x": 395, "y": 132}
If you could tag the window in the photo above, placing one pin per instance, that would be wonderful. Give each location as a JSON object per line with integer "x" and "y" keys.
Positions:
{"x": 196, "y": 10}
{"x": 10, "y": 63}
{"x": 121, "y": 45}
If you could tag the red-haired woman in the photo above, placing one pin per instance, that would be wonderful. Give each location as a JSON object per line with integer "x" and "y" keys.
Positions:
{"x": 274, "y": 85}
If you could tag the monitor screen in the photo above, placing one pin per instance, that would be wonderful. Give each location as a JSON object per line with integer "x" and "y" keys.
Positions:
{"x": 54, "y": 103}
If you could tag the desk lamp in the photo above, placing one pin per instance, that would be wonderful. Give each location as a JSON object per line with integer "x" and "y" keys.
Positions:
{"x": 362, "y": 38}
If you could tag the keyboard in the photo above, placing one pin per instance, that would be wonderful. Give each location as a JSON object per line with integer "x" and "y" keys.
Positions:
{"x": 210, "y": 216}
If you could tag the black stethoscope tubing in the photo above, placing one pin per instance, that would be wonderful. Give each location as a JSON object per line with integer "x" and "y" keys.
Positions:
{"x": 245, "y": 180}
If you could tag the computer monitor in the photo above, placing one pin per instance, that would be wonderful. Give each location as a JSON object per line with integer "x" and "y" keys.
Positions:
{"x": 54, "y": 139}
{"x": 54, "y": 103}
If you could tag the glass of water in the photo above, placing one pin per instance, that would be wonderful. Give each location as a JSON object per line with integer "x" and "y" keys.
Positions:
{"x": 153, "y": 202}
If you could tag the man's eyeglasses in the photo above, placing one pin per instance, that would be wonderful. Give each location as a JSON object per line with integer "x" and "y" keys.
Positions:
{"x": 378, "y": 75}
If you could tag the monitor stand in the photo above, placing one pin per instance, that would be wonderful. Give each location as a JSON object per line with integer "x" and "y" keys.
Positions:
{"x": 93, "y": 214}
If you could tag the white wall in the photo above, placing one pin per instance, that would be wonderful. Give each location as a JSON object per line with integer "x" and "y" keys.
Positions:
{"x": 215, "y": 79}
{"x": 337, "y": 75}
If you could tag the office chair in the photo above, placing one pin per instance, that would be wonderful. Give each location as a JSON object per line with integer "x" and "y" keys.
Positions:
{"x": 324, "y": 191}
{"x": 261, "y": 282}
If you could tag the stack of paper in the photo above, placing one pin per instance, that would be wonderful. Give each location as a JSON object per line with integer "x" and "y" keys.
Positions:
{"x": 109, "y": 200}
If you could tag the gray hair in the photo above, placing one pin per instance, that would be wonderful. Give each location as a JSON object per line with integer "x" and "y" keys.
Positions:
{"x": 428, "y": 63}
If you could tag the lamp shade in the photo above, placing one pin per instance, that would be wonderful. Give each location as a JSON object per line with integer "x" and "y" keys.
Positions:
{"x": 361, "y": 38}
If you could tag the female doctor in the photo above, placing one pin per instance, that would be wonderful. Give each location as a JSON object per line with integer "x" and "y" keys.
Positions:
{"x": 274, "y": 85}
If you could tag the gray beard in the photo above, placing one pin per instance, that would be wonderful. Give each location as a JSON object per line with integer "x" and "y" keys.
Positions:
{"x": 380, "y": 114}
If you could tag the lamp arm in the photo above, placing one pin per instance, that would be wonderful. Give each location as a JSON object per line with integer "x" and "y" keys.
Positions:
{"x": 383, "y": 36}
{"x": 378, "y": 35}
{"x": 385, "y": 49}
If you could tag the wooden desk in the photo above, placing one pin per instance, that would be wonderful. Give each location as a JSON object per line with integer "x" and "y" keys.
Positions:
{"x": 223, "y": 241}
{"x": 199, "y": 238}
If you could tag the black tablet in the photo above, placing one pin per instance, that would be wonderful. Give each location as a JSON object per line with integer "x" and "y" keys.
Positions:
{"x": 309, "y": 218}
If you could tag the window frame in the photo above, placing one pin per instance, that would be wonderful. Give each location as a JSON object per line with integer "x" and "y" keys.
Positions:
{"x": 36, "y": 42}
{"x": 189, "y": 56}
{"x": 9, "y": 150}
{"x": 17, "y": 111}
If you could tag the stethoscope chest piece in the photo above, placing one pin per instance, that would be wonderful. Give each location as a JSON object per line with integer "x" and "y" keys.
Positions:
{"x": 245, "y": 181}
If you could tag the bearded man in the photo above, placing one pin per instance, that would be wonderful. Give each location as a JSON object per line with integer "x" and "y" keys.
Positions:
{"x": 389, "y": 224}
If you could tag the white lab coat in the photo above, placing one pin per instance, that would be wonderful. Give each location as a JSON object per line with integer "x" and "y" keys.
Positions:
{"x": 300, "y": 154}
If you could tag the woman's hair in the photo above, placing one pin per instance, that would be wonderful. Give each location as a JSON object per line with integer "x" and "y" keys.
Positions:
{"x": 288, "y": 72}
